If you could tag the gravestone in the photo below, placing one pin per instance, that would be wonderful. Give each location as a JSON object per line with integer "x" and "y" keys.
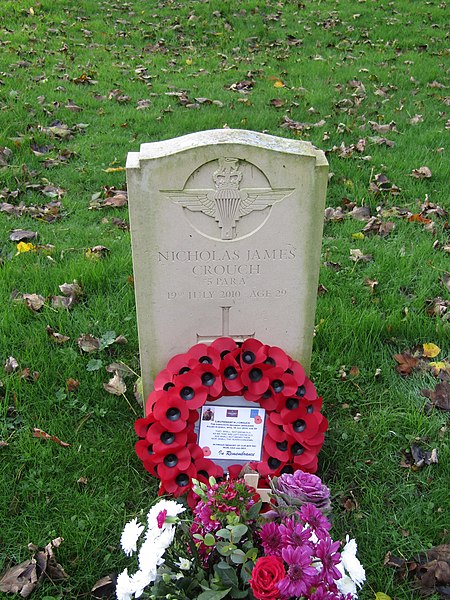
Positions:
{"x": 226, "y": 229}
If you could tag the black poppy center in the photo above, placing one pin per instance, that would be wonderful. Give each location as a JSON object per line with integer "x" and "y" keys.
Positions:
{"x": 274, "y": 463}
{"x": 291, "y": 403}
{"x": 255, "y": 375}
{"x": 167, "y": 437}
{"x": 187, "y": 393}
{"x": 270, "y": 361}
{"x": 150, "y": 450}
{"x": 224, "y": 353}
{"x": 230, "y": 373}
{"x": 278, "y": 386}
{"x": 173, "y": 414}
{"x": 208, "y": 379}
{"x": 205, "y": 360}
{"x": 203, "y": 473}
{"x": 290, "y": 371}
{"x": 287, "y": 469}
{"x": 248, "y": 357}
{"x": 282, "y": 446}
{"x": 297, "y": 449}
{"x": 299, "y": 425}
{"x": 310, "y": 409}
{"x": 301, "y": 391}
{"x": 182, "y": 479}
{"x": 171, "y": 460}
{"x": 267, "y": 394}
{"x": 168, "y": 385}
{"x": 184, "y": 370}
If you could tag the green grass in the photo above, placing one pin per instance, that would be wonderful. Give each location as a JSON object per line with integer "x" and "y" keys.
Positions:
{"x": 147, "y": 50}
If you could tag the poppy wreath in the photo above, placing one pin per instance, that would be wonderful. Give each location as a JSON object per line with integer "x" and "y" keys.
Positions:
{"x": 265, "y": 375}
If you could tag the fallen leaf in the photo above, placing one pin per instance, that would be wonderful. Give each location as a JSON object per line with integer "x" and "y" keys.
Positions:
{"x": 56, "y": 337}
{"x": 440, "y": 396}
{"x": 29, "y": 376}
{"x": 82, "y": 481}
{"x": 38, "y": 433}
{"x": 72, "y": 385}
{"x": 421, "y": 173}
{"x": 11, "y": 365}
{"x": 105, "y": 588}
{"x": 382, "y": 596}
{"x": 113, "y": 169}
{"x": 371, "y": 283}
{"x": 430, "y": 350}
{"x": 3, "y": 444}
{"x": 446, "y": 281}
{"x": 116, "y": 385}
{"x": 88, "y": 343}
{"x": 417, "y": 458}
{"x": 406, "y": 363}
{"x": 119, "y": 368}
{"x": 19, "y": 235}
{"x": 34, "y": 301}
{"x": 357, "y": 256}
{"x": 97, "y": 252}
{"x": 333, "y": 266}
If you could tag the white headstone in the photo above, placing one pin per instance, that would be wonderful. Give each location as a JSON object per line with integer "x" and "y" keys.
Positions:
{"x": 226, "y": 229}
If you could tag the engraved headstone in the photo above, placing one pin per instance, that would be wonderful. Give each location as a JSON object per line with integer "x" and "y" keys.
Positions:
{"x": 226, "y": 229}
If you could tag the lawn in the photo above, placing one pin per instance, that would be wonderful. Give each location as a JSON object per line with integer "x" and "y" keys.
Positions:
{"x": 83, "y": 83}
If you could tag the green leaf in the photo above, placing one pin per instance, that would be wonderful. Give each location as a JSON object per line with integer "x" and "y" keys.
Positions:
{"x": 223, "y": 533}
{"x": 209, "y": 540}
{"x": 246, "y": 571}
{"x": 254, "y": 510}
{"x": 198, "y": 536}
{"x": 213, "y": 594}
{"x": 226, "y": 574}
{"x": 237, "y": 531}
{"x": 239, "y": 593}
{"x": 94, "y": 364}
{"x": 252, "y": 554}
{"x": 107, "y": 339}
{"x": 238, "y": 557}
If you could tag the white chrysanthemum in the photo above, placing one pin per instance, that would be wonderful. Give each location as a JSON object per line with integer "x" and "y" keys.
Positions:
{"x": 150, "y": 558}
{"x": 140, "y": 581}
{"x": 345, "y": 584}
{"x": 173, "y": 509}
{"x": 130, "y": 536}
{"x": 351, "y": 564}
{"x": 124, "y": 586}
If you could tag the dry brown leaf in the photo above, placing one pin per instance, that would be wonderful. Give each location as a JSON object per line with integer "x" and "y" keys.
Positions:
{"x": 21, "y": 235}
{"x": 11, "y": 365}
{"x": 97, "y": 252}
{"x": 105, "y": 588}
{"x": 357, "y": 256}
{"x": 3, "y": 444}
{"x": 39, "y": 433}
{"x": 58, "y": 338}
{"x": 116, "y": 385}
{"x": 88, "y": 343}
{"x": 440, "y": 396}
{"x": 34, "y": 301}
{"x": 421, "y": 173}
{"x": 406, "y": 363}
{"x": 72, "y": 385}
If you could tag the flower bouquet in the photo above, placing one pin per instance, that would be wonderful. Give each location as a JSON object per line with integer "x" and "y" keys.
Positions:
{"x": 232, "y": 546}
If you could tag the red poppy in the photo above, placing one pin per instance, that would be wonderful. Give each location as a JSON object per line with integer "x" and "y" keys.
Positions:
{"x": 164, "y": 380}
{"x": 171, "y": 412}
{"x": 207, "y": 468}
{"x": 224, "y": 345}
{"x": 275, "y": 431}
{"x": 177, "y": 459}
{"x": 210, "y": 378}
{"x": 152, "y": 399}
{"x": 299, "y": 424}
{"x": 162, "y": 440}
{"x": 269, "y": 465}
{"x": 178, "y": 363}
{"x": 204, "y": 355}
{"x": 253, "y": 352}
{"x": 297, "y": 371}
{"x": 277, "y": 449}
{"x": 256, "y": 378}
{"x": 144, "y": 449}
{"x": 282, "y": 384}
{"x": 189, "y": 388}
{"x": 141, "y": 426}
{"x": 179, "y": 481}
{"x": 231, "y": 374}
{"x": 276, "y": 357}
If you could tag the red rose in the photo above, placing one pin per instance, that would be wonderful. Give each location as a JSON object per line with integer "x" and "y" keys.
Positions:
{"x": 267, "y": 572}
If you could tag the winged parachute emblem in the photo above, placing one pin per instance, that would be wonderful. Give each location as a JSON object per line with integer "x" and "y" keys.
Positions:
{"x": 227, "y": 203}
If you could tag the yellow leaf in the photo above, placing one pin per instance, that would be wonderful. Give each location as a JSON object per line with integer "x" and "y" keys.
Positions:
{"x": 31, "y": 10}
{"x": 382, "y": 596}
{"x": 278, "y": 84}
{"x": 358, "y": 236}
{"x": 189, "y": 61}
{"x": 113, "y": 169}
{"x": 430, "y": 350}
{"x": 23, "y": 247}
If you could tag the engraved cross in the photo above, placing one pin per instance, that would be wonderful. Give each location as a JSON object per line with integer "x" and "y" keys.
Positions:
{"x": 237, "y": 337}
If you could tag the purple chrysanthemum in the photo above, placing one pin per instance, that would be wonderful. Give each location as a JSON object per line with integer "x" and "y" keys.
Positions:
{"x": 271, "y": 539}
{"x": 315, "y": 519}
{"x": 294, "y": 533}
{"x": 322, "y": 593}
{"x": 326, "y": 552}
{"x": 300, "y": 576}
